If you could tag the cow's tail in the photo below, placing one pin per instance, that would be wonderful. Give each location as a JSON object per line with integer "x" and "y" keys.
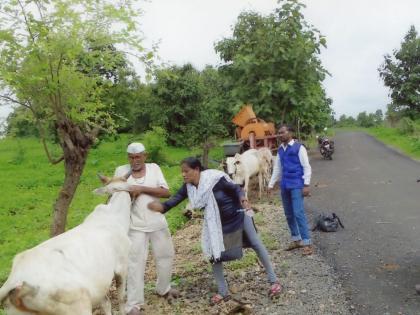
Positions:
{"x": 4, "y": 291}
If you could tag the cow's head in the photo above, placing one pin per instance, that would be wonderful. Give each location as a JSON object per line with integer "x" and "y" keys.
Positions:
{"x": 112, "y": 185}
{"x": 238, "y": 173}
{"x": 231, "y": 166}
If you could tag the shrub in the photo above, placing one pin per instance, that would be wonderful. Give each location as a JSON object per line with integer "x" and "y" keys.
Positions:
{"x": 155, "y": 141}
{"x": 406, "y": 126}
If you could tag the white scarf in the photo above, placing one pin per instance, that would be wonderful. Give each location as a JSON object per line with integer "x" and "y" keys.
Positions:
{"x": 203, "y": 197}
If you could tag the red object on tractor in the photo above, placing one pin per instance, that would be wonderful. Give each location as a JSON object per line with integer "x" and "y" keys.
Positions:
{"x": 254, "y": 132}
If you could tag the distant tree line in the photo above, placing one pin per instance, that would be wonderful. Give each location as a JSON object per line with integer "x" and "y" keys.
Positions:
{"x": 363, "y": 119}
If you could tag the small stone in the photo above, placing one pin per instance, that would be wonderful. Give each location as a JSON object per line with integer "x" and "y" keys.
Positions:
{"x": 234, "y": 289}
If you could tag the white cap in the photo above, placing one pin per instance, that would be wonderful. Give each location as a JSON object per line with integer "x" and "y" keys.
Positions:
{"x": 135, "y": 147}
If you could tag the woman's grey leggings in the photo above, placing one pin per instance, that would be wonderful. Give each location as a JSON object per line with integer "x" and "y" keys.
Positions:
{"x": 257, "y": 246}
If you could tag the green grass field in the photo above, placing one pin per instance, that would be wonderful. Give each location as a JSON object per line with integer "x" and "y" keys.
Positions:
{"x": 30, "y": 185}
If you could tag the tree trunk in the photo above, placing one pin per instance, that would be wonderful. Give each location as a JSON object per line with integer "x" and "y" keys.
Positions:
{"x": 206, "y": 150}
{"x": 75, "y": 146}
{"x": 283, "y": 115}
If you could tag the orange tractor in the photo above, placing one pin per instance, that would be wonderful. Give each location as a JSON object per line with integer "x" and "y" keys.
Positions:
{"x": 251, "y": 133}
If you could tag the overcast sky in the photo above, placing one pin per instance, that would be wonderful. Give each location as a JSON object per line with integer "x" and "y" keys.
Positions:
{"x": 358, "y": 32}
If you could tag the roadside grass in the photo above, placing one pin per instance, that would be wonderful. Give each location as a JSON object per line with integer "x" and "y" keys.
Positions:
{"x": 30, "y": 185}
{"x": 409, "y": 145}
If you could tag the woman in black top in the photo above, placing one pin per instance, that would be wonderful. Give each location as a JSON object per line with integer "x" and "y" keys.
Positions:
{"x": 226, "y": 222}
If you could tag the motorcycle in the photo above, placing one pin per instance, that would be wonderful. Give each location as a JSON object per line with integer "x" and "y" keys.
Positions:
{"x": 326, "y": 147}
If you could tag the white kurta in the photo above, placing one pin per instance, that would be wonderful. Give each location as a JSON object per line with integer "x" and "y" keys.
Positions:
{"x": 142, "y": 218}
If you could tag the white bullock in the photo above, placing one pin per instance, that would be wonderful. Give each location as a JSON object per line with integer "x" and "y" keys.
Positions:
{"x": 71, "y": 274}
{"x": 266, "y": 164}
{"x": 252, "y": 162}
{"x": 243, "y": 166}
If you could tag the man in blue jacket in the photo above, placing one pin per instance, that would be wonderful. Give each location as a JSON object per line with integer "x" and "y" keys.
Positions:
{"x": 292, "y": 166}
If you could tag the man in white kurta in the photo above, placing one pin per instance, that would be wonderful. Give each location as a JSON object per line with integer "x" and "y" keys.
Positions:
{"x": 146, "y": 227}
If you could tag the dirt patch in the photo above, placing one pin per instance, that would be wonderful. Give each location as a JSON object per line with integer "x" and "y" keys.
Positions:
{"x": 310, "y": 285}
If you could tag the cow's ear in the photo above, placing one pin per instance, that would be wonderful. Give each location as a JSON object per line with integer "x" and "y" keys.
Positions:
{"x": 237, "y": 156}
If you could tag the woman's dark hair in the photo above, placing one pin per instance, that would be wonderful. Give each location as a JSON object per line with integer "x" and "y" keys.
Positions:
{"x": 193, "y": 163}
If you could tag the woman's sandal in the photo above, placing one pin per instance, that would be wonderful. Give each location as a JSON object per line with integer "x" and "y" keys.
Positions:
{"x": 275, "y": 290}
{"x": 217, "y": 299}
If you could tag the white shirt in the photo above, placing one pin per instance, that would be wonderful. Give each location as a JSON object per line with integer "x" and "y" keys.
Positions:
{"x": 142, "y": 218}
{"x": 304, "y": 161}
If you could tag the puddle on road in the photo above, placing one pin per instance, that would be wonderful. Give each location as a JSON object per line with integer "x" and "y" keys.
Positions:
{"x": 320, "y": 185}
{"x": 390, "y": 267}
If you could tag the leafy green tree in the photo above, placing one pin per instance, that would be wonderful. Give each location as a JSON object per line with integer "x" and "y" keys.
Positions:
{"x": 346, "y": 121}
{"x": 378, "y": 117}
{"x": 129, "y": 99}
{"x": 20, "y": 123}
{"x": 273, "y": 62}
{"x": 57, "y": 59}
{"x": 393, "y": 115}
{"x": 401, "y": 74}
{"x": 366, "y": 120}
{"x": 177, "y": 93}
{"x": 342, "y": 120}
{"x": 351, "y": 121}
{"x": 215, "y": 110}
{"x": 191, "y": 105}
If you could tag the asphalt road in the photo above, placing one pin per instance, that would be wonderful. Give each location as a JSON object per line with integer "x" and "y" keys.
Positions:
{"x": 374, "y": 191}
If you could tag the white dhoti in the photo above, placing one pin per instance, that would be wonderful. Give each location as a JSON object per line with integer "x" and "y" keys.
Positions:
{"x": 163, "y": 252}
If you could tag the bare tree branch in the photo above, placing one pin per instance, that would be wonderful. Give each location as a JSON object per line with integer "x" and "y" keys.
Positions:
{"x": 14, "y": 101}
{"x": 52, "y": 161}
{"x": 38, "y": 5}
{"x": 26, "y": 21}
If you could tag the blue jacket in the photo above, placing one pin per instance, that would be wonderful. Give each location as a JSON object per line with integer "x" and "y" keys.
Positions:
{"x": 292, "y": 170}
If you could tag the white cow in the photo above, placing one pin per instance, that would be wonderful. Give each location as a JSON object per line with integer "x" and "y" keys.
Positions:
{"x": 266, "y": 164}
{"x": 72, "y": 273}
{"x": 252, "y": 162}
{"x": 243, "y": 166}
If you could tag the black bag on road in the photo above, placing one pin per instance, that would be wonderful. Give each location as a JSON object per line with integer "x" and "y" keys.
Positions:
{"x": 327, "y": 223}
